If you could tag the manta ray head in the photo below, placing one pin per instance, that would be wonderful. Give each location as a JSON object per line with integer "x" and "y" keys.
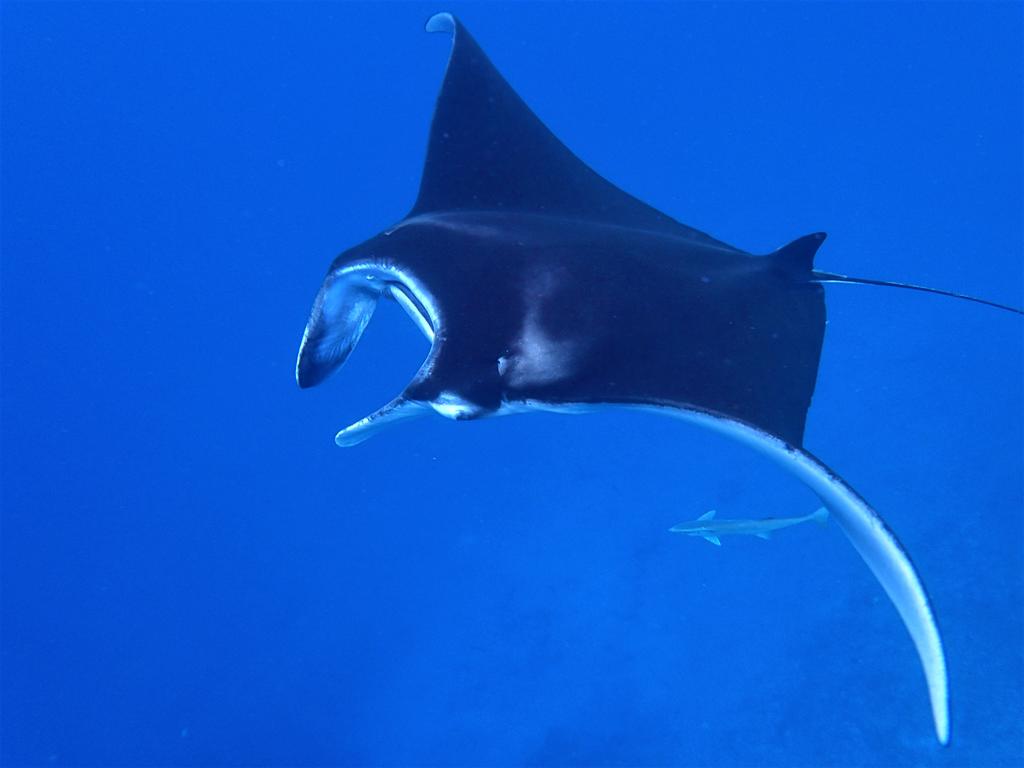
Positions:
{"x": 497, "y": 335}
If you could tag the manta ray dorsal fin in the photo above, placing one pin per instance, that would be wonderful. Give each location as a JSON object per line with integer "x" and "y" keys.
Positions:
{"x": 489, "y": 151}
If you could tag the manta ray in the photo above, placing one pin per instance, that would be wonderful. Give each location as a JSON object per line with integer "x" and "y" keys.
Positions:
{"x": 542, "y": 286}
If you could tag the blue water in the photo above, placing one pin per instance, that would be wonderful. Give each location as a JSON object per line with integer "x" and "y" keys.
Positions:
{"x": 193, "y": 574}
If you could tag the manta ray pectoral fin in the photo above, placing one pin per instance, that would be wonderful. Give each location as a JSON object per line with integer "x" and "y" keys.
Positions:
{"x": 870, "y": 536}
{"x": 713, "y": 539}
{"x": 397, "y": 410}
{"x": 488, "y": 151}
{"x": 887, "y": 559}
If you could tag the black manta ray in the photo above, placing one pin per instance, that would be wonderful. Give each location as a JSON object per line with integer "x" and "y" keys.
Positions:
{"x": 541, "y": 285}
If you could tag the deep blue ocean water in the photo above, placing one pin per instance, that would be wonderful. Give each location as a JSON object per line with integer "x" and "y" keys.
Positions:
{"x": 192, "y": 572}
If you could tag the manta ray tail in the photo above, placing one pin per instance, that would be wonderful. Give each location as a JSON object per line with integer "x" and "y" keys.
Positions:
{"x": 798, "y": 258}
{"x": 830, "y": 277}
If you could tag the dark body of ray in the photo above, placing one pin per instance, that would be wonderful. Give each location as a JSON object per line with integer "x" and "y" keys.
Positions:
{"x": 585, "y": 312}
{"x": 543, "y": 286}
{"x": 590, "y": 296}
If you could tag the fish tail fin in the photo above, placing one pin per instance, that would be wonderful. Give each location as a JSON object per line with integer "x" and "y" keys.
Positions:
{"x": 820, "y": 516}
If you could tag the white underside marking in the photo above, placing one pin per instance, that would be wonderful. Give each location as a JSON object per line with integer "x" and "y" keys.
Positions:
{"x": 452, "y": 406}
{"x": 538, "y": 359}
{"x": 514, "y": 407}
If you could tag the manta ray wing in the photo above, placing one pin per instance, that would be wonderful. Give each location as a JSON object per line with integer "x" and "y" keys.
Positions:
{"x": 489, "y": 151}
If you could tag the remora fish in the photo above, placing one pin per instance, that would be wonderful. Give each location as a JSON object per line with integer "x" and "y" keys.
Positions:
{"x": 542, "y": 286}
{"x": 708, "y": 528}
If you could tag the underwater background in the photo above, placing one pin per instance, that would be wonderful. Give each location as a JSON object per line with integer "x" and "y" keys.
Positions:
{"x": 193, "y": 573}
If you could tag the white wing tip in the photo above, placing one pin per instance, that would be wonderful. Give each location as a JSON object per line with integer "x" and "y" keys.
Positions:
{"x": 940, "y": 709}
{"x": 441, "y": 22}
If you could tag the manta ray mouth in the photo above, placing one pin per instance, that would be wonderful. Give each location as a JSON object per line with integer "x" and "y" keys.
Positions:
{"x": 342, "y": 310}
{"x": 413, "y": 304}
